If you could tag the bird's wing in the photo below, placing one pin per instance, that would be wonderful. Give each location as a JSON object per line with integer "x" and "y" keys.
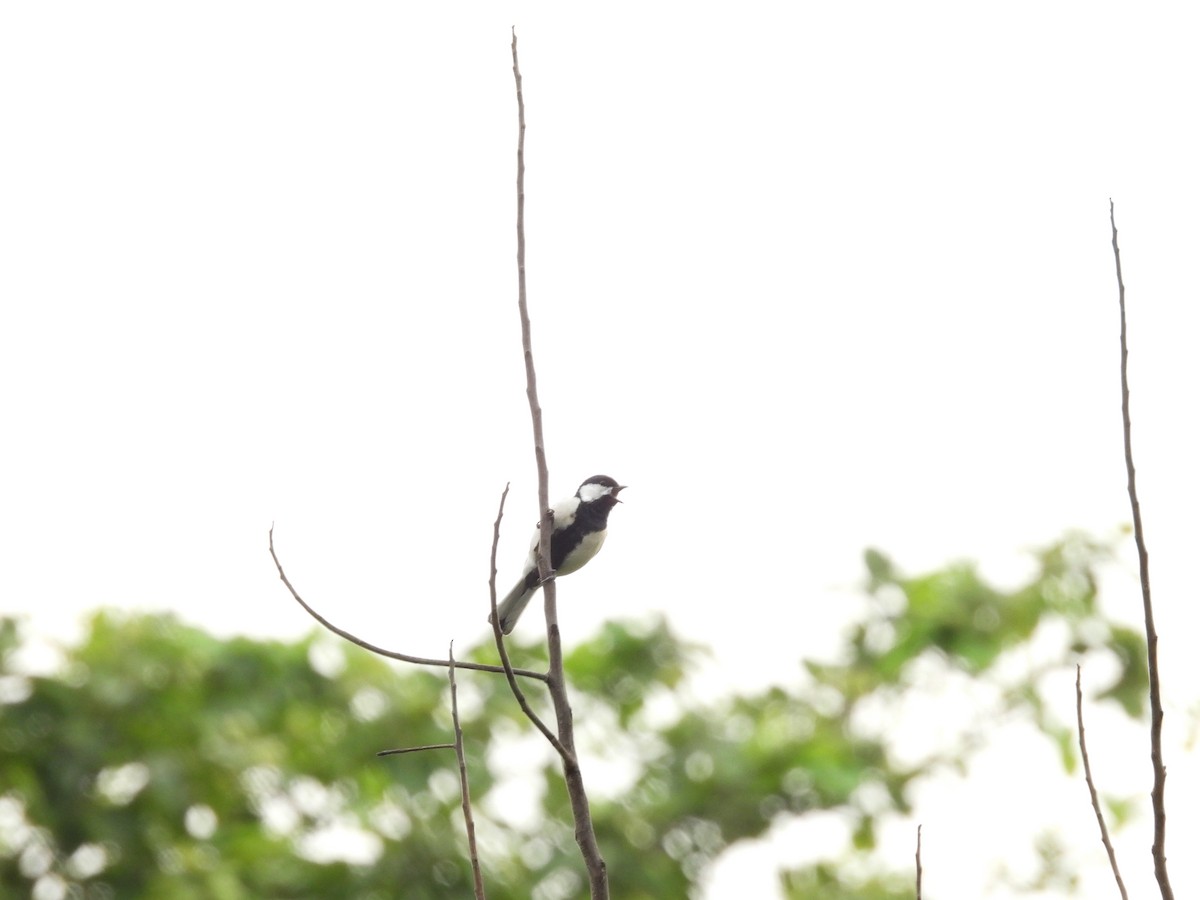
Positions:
{"x": 564, "y": 515}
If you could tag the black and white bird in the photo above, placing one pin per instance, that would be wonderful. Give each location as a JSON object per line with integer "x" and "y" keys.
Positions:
{"x": 580, "y": 526}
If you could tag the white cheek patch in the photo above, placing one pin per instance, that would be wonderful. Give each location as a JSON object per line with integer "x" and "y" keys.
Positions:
{"x": 590, "y": 492}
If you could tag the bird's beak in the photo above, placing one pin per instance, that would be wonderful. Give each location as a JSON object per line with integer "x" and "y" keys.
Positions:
{"x": 618, "y": 490}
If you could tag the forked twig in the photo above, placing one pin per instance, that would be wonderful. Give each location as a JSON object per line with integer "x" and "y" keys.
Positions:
{"x": 1091, "y": 785}
{"x": 1158, "y": 791}
{"x": 464, "y": 781}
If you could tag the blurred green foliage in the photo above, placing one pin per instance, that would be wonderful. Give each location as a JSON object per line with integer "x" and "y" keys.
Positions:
{"x": 160, "y": 762}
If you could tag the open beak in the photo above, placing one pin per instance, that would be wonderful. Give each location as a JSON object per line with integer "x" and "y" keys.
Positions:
{"x": 618, "y": 490}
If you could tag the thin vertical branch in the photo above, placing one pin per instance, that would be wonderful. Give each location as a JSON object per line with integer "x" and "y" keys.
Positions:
{"x": 918, "y": 862}
{"x": 1158, "y": 791}
{"x": 464, "y": 782}
{"x": 535, "y": 408}
{"x": 1091, "y": 785}
{"x": 585, "y": 834}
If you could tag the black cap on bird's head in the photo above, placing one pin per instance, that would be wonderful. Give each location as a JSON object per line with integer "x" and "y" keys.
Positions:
{"x": 600, "y": 487}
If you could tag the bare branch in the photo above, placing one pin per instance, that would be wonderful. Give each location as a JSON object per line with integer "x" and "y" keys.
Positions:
{"x": 457, "y": 747}
{"x": 1158, "y": 791}
{"x": 918, "y": 862}
{"x": 585, "y": 834}
{"x": 463, "y": 781}
{"x": 381, "y": 651}
{"x": 397, "y": 752}
{"x": 1087, "y": 774}
{"x": 499, "y": 636}
{"x": 546, "y": 519}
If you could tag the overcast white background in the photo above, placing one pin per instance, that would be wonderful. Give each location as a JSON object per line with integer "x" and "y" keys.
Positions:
{"x": 807, "y": 277}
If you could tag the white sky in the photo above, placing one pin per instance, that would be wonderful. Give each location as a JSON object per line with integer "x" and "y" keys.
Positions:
{"x": 808, "y": 278}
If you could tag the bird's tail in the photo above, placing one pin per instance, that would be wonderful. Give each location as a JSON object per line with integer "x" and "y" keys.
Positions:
{"x": 510, "y": 608}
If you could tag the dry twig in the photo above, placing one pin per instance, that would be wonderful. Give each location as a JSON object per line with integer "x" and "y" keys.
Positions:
{"x": 400, "y": 750}
{"x": 585, "y": 834}
{"x": 1158, "y": 791}
{"x": 500, "y": 647}
{"x": 918, "y": 862}
{"x": 381, "y": 651}
{"x": 463, "y": 781}
{"x": 1087, "y": 774}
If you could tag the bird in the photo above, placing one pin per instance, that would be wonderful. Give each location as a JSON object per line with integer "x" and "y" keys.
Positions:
{"x": 579, "y": 529}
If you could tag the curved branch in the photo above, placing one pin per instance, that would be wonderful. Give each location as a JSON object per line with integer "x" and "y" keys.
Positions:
{"x": 381, "y": 651}
{"x": 499, "y": 635}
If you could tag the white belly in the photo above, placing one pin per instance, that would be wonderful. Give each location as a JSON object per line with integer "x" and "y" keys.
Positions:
{"x": 587, "y": 548}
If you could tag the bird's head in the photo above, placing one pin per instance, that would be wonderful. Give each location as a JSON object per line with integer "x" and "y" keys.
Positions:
{"x": 600, "y": 488}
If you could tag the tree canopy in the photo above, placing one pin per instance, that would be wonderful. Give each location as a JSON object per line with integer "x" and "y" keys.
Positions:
{"x": 159, "y": 761}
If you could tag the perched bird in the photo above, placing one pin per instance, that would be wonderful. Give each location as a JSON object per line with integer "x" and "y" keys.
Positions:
{"x": 580, "y": 526}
